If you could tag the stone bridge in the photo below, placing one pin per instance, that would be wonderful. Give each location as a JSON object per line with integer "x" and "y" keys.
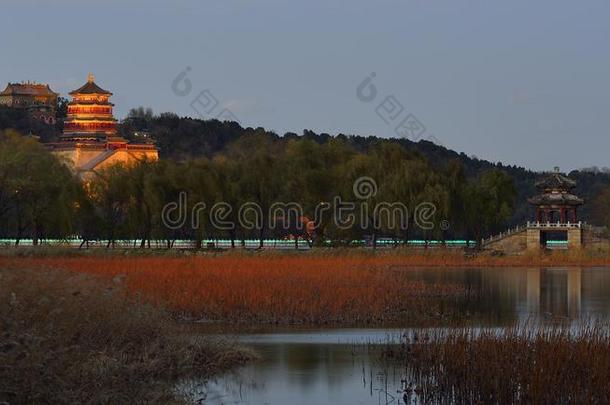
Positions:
{"x": 535, "y": 235}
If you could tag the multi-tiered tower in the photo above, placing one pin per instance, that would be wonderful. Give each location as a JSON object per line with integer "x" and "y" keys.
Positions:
{"x": 90, "y": 114}
{"x": 90, "y": 139}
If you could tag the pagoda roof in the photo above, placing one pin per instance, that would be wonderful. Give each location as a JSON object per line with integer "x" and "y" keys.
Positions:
{"x": 556, "y": 181}
{"x": 28, "y": 89}
{"x": 90, "y": 88}
{"x": 556, "y": 199}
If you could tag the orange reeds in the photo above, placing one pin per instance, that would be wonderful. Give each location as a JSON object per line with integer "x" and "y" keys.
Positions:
{"x": 269, "y": 289}
{"x": 523, "y": 364}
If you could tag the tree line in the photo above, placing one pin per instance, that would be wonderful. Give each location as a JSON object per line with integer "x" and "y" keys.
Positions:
{"x": 181, "y": 138}
{"x": 184, "y": 138}
{"x": 41, "y": 197}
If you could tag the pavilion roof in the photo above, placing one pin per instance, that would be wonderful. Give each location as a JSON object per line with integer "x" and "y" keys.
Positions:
{"x": 28, "y": 89}
{"x": 556, "y": 199}
{"x": 556, "y": 181}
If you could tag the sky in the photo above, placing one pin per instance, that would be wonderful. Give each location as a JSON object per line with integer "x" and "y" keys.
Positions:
{"x": 519, "y": 82}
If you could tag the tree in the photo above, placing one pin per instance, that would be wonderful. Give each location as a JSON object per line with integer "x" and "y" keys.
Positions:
{"x": 61, "y": 112}
{"x": 412, "y": 178}
{"x": 38, "y": 190}
{"x": 306, "y": 179}
{"x": 145, "y": 185}
{"x": 200, "y": 184}
{"x": 109, "y": 193}
{"x": 601, "y": 208}
{"x": 489, "y": 203}
{"x": 259, "y": 180}
{"x": 456, "y": 184}
{"x": 228, "y": 173}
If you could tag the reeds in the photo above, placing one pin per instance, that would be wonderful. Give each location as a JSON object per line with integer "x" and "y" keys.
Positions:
{"x": 523, "y": 364}
{"x": 433, "y": 257}
{"x": 71, "y": 338}
{"x": 287, "y": 289}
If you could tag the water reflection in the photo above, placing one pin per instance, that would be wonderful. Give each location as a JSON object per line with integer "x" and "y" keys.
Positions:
{"x": 504, "y": 295}
{"x": 343, "y": 366}
{"x": 305, "y": 374}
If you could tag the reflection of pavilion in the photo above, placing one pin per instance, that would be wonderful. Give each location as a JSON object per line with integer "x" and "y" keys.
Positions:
{"x": 557, "y": 292}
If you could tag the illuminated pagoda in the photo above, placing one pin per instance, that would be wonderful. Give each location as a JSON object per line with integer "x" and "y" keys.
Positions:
{"x": 90, "y": 114}
{"x": 90, "y": 141}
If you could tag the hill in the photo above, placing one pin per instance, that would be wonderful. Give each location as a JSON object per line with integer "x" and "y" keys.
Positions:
{"x": 184, "y": 138}
{"x": 180, "y": 138}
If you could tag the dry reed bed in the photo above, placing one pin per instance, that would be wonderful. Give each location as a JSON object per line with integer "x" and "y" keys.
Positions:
{"x": 284, "y": 289}
{"x": 433, "y": 257}
{"x": 71, "y": 338}
{"x": 522, "y": 364}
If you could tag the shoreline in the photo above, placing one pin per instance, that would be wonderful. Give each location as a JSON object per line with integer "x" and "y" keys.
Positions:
{"x": 61, "y": 328}
{"x": 140, "y": 310}
{"x": 396, "y": 257}
{"x": 327, "y": 289}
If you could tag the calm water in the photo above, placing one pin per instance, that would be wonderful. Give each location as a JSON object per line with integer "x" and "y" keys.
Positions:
{"x": 342, "y": 366}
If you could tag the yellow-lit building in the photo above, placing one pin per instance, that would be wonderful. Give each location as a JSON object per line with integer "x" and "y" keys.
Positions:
{"x": 90, "y": 141}
{"x": 37, "y": 99}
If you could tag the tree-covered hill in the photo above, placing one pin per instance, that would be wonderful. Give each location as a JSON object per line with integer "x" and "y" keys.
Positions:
{"x": 181, "y": 138}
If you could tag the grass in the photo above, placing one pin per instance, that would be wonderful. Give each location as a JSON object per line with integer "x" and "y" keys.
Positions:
{"x": 271, "y": 289}
{"x": 522, "y": 364}
{"x": 73, "y": 338}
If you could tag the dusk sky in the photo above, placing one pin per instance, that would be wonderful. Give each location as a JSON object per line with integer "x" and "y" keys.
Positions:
{"x": 520, "y": 82}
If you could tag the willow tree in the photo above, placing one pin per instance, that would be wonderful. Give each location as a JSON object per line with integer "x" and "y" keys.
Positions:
{"x": 490, "y": 202}
{"x": 259, "y": 181}
{"x": 110, "y": 195}
{"x": 38, "y": 192}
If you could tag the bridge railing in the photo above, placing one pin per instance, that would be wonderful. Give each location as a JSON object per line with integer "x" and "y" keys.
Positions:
{"x": 503, "y": 235}
{"x": 534, "y": 225}
{"x": 559, "y": 225}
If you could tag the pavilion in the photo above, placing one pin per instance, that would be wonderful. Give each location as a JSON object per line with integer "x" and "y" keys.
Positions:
{"x": 90, "y": 140}
{"x": 556, "y": 203}
{"x": 556, "y": 213}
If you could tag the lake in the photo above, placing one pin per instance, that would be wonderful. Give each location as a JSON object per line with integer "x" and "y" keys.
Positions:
{"x": 342, "y": 366}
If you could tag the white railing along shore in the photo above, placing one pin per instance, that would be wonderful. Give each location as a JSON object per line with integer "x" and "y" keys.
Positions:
{"x": 534, "y": 225}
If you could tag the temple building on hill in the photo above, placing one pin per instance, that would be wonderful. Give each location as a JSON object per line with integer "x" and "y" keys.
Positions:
{"x": 89, "y": 114}
{"x": 37, "y": 99}
{"x": 90, "y": 141}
